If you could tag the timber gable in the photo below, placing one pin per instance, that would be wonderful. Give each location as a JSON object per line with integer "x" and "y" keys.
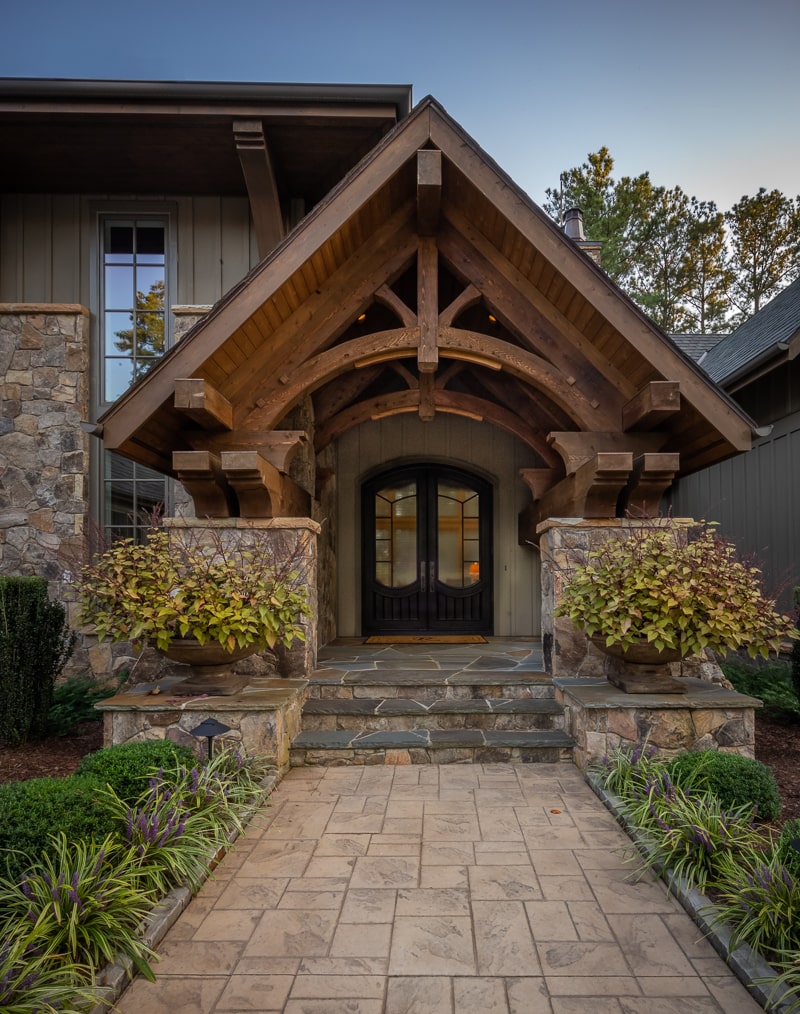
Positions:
{"x": 427, "y": 283}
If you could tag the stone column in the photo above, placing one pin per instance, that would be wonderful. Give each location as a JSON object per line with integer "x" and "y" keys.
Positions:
{"x": 44, "y": 453}
{"x": 565, "y": 543}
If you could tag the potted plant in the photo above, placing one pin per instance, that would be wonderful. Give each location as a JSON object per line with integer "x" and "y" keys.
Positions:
{"x": 204, "y": 603}
{"x": 661, "y": 593}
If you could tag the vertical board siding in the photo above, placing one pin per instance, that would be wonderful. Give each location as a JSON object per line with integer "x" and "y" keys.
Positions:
{"x": 755, "y": 497}
{"x": 46, "y": 242}
{"x": 448, "y": 439}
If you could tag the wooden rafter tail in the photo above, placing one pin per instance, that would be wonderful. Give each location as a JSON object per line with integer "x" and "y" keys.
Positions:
{"x": 201, "y": 475}
{"x": 204, "y": 404}
{"x": 656, "y": 402}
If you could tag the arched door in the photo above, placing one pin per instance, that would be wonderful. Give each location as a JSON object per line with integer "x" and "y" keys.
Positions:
{"x": 427, "y": 552}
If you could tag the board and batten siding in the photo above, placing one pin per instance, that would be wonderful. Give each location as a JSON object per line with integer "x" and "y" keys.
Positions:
{"x": 49, "y": 243}
{"x": 452, "y": 440}
{"x": 755, "y": 498}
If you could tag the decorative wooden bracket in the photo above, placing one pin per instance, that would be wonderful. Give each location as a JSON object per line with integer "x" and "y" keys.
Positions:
{"x": 201, "y": 475}
{"x": 203, "y": 403}
{"x": 656, "y": 402}
{"x": 591, "y": 491}
{"x": 652, "y": 476}
{"x": 576, "y": 448}
{"x": 251, "y": 146}
{"x": 261, "y": 489}
{"x": 429, "y": 190}
{"x": 539, "y": 480}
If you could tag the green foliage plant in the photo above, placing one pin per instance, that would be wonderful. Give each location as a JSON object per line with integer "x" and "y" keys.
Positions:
{"x": 127, "y": 767}
{"x": 655, "y": 587}
{"x": 770, "y": 681}
{"x": 686, "y": 834}
{"x": 759, "y": 899}
{"x": 35, "y": 645}
{"x": 73, "y": 702}
{"x": 789, "y": 846}
{"x": 169, "y": 587}
{"x": 784, "y": 988}
{"x": 795, "y": 671}
{"x": 628, "y": 768}
{"x": 84, "y": 901}
{"x": 35, "y": 980}
{"x": 34, "y": 810}
{"x": 733, "y": 779}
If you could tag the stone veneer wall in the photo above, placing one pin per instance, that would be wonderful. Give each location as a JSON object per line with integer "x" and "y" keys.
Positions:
{"x": 44, "y": 453}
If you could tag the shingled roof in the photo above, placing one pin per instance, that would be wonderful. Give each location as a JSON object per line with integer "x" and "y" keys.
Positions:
{"x": 764, "y": 336}
{"x": 696, "y": 345}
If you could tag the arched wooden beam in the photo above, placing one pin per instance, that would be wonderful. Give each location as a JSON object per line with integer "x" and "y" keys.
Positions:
{"x": 455, "y": 343}
{"x": 448, "y": 402}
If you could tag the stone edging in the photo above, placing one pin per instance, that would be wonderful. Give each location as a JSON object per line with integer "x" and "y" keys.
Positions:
{"x": 115, "y": 978}
{"x": 744, "y": 961}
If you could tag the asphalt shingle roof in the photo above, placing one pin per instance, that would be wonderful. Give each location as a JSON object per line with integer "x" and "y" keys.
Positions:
{"x": 778, "y": 322}
{"x": 696, "y": 345}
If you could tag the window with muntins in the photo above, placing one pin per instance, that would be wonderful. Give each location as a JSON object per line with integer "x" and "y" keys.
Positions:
{"x": 134, "y": 335}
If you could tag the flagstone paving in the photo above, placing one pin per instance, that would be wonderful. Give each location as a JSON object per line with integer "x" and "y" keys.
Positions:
{"x": 466, "y": 889}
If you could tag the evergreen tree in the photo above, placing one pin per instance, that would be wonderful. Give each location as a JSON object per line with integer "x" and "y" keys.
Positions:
{"x": 708, "y": 276}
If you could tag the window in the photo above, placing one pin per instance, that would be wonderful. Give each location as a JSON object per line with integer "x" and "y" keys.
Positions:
{"x": 134, "y": 334}
{"x": 134, "y": 301}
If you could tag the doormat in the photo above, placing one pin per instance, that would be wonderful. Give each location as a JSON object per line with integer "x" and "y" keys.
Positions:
{"x": 427, "y": 639}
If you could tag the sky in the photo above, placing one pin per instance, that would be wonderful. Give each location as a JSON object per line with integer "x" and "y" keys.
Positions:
{"x": 702, "y": 94}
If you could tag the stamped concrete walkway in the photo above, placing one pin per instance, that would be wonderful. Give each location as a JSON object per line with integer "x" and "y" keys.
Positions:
{"x": 464, "y": 889}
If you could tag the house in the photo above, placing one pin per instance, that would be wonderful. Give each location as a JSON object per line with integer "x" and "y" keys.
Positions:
{"x": 754, "y": 497}
{"x": 319, "y": 308}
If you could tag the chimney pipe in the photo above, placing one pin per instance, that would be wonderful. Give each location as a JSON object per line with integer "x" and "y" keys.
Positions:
{"x": 573, "y": 225}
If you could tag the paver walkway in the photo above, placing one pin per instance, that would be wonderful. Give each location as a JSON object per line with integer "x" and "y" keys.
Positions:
{"x": 464, "y": 889}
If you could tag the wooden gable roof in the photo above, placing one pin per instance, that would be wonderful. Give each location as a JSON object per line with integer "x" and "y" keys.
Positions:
{"x": 428, "y": 282}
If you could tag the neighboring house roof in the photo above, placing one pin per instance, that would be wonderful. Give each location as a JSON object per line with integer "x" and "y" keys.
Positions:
{"x": 696, "y": 345}
{"x": 772, "y": 333}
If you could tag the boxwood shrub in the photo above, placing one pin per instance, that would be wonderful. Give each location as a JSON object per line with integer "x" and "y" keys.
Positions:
{"x": 127, "y": 767}
{"x": 734, "y": 779}
{"x": 35, "y": 809}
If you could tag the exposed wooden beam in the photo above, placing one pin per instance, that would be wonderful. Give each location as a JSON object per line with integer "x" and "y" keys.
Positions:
{"x": 427, "y": 400}
{"x": 539, "y": 480}
{"x": 468, "y": 297}
{"x": 201, "y": 475}
{"x": 261, "y": 490}
{"x": 262, "y": 189}
{"x": 277, "y": 446}
{"x": 656, "y": 402}
{"x": 203, "y": 403}
{"x": 334, "y": 397}
{"x": 389, "y": 298}
{"x": 429, "y": 190}
{"x": 578, "y": 448}
{"x": 428, "y": 304}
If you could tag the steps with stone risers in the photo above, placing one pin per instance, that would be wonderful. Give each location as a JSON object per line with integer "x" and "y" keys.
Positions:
{"x": 408, "y": 716}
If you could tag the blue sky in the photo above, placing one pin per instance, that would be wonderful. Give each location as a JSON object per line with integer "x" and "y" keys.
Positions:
{"x": 702, "y": 94}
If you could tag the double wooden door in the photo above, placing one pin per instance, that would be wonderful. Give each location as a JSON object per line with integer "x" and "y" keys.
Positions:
{"x": 427, "y": 552}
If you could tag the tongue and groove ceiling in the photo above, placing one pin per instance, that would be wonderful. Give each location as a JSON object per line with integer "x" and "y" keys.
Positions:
{"x": 427, "y": 282}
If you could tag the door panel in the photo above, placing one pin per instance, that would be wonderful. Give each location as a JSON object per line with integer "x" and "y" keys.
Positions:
{"x": 427, "y": 552}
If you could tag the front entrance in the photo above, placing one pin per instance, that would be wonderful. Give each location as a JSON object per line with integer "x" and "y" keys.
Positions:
{"x": 427, "y": 552}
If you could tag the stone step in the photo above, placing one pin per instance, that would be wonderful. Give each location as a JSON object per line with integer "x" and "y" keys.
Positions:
{"x": 431, "y": 685}
{"x": 430, "y": 746}
{"x": 381, "y": 714}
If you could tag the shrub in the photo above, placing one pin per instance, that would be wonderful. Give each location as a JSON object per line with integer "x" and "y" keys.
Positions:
{"x": 735, "y": 780}
{"x": 771, "y": 682}
{"x": 34, "y": 810}
{"x": 35, "y": 644}
{"x": 127, "y": 767}
{"x": 74, "y": 701}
